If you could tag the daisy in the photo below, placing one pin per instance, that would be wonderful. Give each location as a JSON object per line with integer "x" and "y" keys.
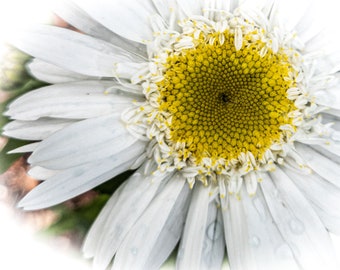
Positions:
{"x": 228, "y": 111}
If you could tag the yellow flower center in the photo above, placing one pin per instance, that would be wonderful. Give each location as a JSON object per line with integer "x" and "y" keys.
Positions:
{"x": 224, "y": 102}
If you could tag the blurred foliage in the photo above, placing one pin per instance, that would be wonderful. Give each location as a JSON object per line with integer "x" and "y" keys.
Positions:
{"x": 77, "y": 221}
{"x": 13, "y": 74}
{"x": 14, "y": 81}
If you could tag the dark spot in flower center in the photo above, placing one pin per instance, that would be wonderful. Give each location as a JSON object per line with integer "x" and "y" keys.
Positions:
{"x": 224, "y": 98}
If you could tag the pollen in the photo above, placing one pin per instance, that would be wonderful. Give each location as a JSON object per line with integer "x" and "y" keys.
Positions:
{"x": 223, "y": 101}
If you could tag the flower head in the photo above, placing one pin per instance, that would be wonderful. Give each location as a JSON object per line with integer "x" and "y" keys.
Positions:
{"x": 228, "y": 117}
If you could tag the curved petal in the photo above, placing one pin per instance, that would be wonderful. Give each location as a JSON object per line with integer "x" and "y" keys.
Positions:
{"x": 164, "y": 210}
{"x": 253, "y": 239}
{"x": 92, "y": 243}
{"x": 129, "y": 18}
{"x": 77, "y": 17}
{"x": 52, "y": 74}
{"x": 326, "y": 153}
{"x": 236, "y": 234}
{"x": 170, "y": 233}
{"x": 74, "y": 100}
{"x": 329, "y": 144}
{"x": 323, "y": 166}
{"x": 329, "y": 98}
{"x": 85, "y": 141}
{"x": 41, "y": 173}
{"x": 191, "y": 246}
{"x": 191, "y": 7}
{"x": 202, "y": 243}
{"x": 77, "y": 180}
{"x": 58, "y": 46}
{"x": 214, "y": 243}
{"x": 25, "y": 149}
{"x": 325, "y": 206}
{"x": 166, "y": 8}
{"x": 284, "y": 14}
{"x": 298, "y": 223}
{"x": 35, "y": 130}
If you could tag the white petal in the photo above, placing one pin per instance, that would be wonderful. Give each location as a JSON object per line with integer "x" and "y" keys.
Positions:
{"x": 256, "y": 6}
{"x": 214, "y": 243}
{"x": 143, "y": 237}
{"x": 332, "y": 146}
{"x": 265, "y": 240}
{"x": 166, "y": 9}
{"x": 129, "y": 70}
{"x": 298, "y": 223}
{"x": 328, "y": 62}
{"x": 329, "y": 98}
{"x": 191, "y": 246}
{"x": 202, "y": 245}
{"x": 323, "y": 196}
{"x": 78, "y": 18}
{"x": 24, "y": 149}
{"x": 326, "y": 153}
{"x": 128, "y": 18}
{"x": 74, "y": 100}
{"x": 129, "y": 206}
{"x": 332, "y": 112}
{"x": 256, "y": 11}
{"x": 227, "y": 5}
{"x": 236, "y": 234}
{"x": 323, "y": 166}
{"x": 77, "y": 180}
{"x": 333, "y": 119}
{"x": 35, "y": 130}
{"x": 52, "y": 74}
{"x": 170, "y": 234}
{"x": 85, "y": 141}
{"x": 41, "y": 173}
{"x": 288, "y": 16}
{"x": 309, "y": 26}
{"x": 332, "y": 223}
{"x": 92, "y": 243}
{"x": 57, "y": 46}
{"x": 254, "y": 231}
{"x": 191, "y": 7}
{"x": 325, "y": 16}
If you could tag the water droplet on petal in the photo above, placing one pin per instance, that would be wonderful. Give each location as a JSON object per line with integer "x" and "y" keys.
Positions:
{"x": 296, "y": 226}
{"x": 284, "y": 252}
{"x": 134, "y": 251}
{"x": 254, "y": 241}
{"x": 214, "y": 231}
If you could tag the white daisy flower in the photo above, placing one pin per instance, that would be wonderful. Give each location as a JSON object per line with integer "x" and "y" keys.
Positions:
{"x": 229, "y": 112}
